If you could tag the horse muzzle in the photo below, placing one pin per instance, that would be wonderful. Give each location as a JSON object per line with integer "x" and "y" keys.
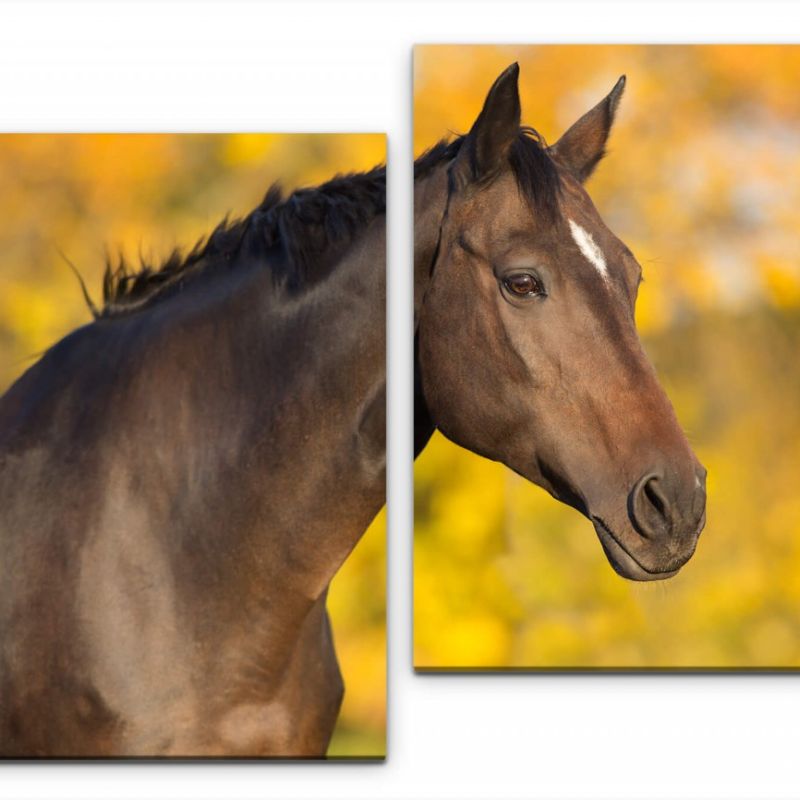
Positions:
{"x": 659, "y": 533}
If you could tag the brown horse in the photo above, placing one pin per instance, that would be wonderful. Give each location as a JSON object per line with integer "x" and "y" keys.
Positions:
{"x": 179, "y": 482}
{"x": 526, "y": 346}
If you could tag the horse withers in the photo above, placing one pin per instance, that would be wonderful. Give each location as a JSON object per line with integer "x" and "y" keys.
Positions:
{"x": 179, "y": 482}
{"x": 526, "y": 346}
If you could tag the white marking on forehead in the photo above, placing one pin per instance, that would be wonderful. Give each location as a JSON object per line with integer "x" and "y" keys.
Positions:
{"x": 588, "y": 246}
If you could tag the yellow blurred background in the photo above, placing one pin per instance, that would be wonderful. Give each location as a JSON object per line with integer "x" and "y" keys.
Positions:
{"x": 702, "y": 181}
{"x": 146, "y": 194}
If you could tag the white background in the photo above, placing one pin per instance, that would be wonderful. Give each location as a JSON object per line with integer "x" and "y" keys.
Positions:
{"x": 337, "y": 66}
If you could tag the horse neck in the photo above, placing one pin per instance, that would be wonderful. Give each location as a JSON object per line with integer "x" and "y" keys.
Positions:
{"x": 273, "y": 405}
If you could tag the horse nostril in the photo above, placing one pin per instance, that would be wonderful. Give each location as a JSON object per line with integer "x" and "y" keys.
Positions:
{"x": 652, "y": 492}
{"x": 649, "y": 507}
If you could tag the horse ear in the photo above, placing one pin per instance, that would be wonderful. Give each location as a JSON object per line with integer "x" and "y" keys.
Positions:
{"x": 584, "y": 144}
{"x": 486, "y": 146}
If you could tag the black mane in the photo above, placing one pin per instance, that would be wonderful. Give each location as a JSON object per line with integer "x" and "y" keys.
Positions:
{"x": 303, "y": 228}
{"x": 536, "y": 172}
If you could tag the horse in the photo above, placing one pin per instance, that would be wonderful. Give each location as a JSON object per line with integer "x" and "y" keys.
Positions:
{"x": 181, "y": 478}
{"x": 526, "y": 350}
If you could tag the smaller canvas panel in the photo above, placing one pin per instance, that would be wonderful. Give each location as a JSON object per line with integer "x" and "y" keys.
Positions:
{"x": 192, "y": 442}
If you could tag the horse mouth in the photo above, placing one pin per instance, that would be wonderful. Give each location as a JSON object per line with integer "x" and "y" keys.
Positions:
{"x": 625, "y": 563}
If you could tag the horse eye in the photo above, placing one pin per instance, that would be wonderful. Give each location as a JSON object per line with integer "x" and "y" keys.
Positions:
{"x": 523, "y": 285}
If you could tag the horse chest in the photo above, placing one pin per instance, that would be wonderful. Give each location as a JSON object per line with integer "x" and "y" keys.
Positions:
{"x": 292, "y": 713}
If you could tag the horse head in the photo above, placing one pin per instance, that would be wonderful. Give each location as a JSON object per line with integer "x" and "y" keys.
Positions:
{"x": 528, "y": 352}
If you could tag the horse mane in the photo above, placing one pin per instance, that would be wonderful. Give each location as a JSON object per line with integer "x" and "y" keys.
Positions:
{"x": 535, "y": 171}
{"x": 301, "y": 227}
